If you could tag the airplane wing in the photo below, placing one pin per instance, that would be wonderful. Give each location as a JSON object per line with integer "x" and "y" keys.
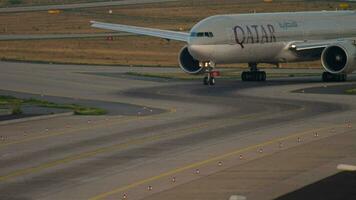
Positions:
{"x": 170, "y": 35}
{"x": 300, "y": 46}
{"x": 345, "y": 167}
{"x": 313, "y": 45}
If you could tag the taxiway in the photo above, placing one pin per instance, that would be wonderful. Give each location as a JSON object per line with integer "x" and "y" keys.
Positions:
{"x": 180, "y": 140}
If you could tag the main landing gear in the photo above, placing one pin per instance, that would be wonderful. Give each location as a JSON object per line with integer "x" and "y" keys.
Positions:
{"x": 329, "y": 77}
{"x": 254, "y": 74}
{"x": 211, "y": 74}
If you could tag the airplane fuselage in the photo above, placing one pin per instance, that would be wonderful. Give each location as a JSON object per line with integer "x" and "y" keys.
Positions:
{"x": 266, "y": 37}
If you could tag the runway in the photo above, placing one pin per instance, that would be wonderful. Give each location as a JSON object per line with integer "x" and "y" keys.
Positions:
{"x": 259, "y": 140}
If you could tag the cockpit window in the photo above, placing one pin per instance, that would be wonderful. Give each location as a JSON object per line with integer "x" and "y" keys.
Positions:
{"x": 201, "y": 34}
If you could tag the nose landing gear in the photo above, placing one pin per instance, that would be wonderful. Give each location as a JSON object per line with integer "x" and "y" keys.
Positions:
{"x": 209, "y": 78}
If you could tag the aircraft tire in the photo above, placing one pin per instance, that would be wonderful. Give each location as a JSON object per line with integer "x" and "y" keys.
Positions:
{"x": 264, "y": 76}
{"x": 212, "y": 81}
{"x": 244, "y": 76}
{"x": 206, "y": 81}
{"x": 253, "y": 76}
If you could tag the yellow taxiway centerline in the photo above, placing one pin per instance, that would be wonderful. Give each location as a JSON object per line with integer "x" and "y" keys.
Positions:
{"x": 73, "y": 130}
{"x": 137, "y": 141}
{"x": 204, "y": 162}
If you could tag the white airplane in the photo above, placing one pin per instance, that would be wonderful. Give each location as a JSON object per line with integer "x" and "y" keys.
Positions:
{"x": 263, "y": 38}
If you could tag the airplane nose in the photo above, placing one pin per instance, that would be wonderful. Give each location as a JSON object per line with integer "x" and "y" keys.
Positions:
{"x": 201, "y": 52}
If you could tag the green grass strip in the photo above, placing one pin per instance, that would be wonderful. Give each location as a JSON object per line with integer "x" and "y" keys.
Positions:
{"x": 351, "y": 91}
{"x": 10, "y": 101}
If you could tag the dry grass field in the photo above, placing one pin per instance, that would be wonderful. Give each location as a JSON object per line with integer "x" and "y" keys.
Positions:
{"x": 9, "y": 3}
{"x": 129, "y": 50}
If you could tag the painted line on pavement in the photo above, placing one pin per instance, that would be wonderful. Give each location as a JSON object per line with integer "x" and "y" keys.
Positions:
{"x": 73, "y": 130}
{"x": 173, "y": 134}
{"x": 204, "y": 162}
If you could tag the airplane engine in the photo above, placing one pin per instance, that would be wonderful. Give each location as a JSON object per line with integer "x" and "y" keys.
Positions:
{"x": 339, "y": 58}
{"x": 187, "y": 63}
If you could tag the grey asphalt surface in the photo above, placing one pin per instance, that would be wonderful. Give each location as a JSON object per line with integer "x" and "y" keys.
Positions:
{"x": 77, "y": 6}
{"x": 113, "y": 157}
{"x": 339, "y": 89}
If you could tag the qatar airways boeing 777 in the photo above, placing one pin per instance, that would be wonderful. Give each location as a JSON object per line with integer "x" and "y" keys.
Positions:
{"x": 263, "y": 38}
